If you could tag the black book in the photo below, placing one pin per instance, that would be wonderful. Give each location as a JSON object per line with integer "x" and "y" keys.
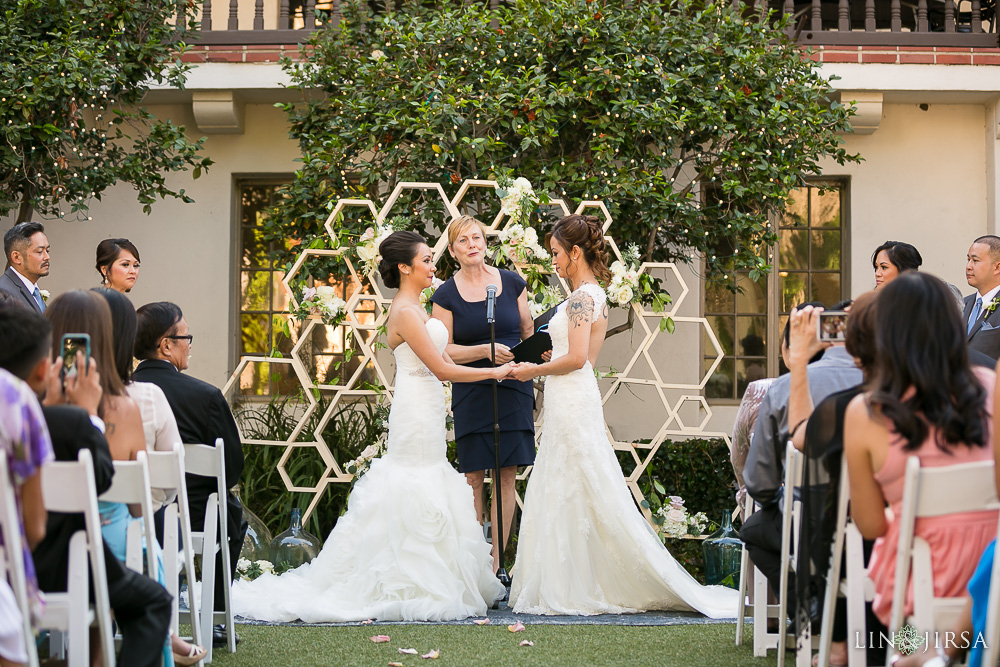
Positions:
{"x": 531, "y": 349}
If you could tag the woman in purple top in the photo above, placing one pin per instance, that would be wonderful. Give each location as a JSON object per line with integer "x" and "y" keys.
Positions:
{"x": 24, "y": 439}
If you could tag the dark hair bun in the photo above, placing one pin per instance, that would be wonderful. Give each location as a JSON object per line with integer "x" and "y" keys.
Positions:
{"x": 586, "y": 232}
{"x": 398, "y": 248}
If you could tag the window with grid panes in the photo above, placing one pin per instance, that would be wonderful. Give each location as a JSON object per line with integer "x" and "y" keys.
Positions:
{"x": 809, "y": 267}
{"x": 332, "y": 357}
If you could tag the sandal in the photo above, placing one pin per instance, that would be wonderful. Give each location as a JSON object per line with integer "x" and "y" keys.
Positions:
{"x": 196, "y": 654}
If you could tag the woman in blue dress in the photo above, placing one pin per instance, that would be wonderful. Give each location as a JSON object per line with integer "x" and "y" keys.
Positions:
{"x": 461, "y": 304}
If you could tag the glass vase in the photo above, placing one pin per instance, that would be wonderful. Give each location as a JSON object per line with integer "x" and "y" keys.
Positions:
{"x": 295, "y": 546}
{"x": 257, "y": 543}
{"x": 723, "y": 550}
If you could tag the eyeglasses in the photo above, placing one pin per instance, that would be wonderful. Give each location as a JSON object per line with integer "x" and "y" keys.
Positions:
{"x": 189, "y": 338}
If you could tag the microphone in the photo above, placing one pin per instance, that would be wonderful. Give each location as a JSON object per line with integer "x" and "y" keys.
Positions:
{"x": 491, "y": 302}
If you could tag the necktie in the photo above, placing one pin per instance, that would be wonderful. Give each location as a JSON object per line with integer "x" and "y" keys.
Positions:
{"x": 38, "y": 299}
{"x": 975, "y": 313}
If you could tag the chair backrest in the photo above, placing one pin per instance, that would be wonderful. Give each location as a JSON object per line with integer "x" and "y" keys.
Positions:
{"x": 12, "y": 555}
{"x": 69, "y": 487}
{"x": 131, "y": 485}
{"x": 933, "y": 492}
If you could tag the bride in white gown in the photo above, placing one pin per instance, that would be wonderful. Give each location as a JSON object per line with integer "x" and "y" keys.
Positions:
{"x": 409, "y": 546}
{"x": 583, "y": 546}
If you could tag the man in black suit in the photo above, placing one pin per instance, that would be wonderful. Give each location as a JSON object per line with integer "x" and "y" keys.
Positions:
{"x": 981, "y": 314}
{"x": 27, "y": 250}
{"x": 141, "y": 605}
{"x": 163, "y": 344}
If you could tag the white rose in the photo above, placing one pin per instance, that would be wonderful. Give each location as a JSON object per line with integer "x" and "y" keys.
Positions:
{"x": 326, "y": 291}
{"x": 369, "y": 452}
{"x": 243, "y": 564}
{"x": 624, "y": 295}
{"x": 536, "y": 309}
{"x": 677, "y": 516}
{"x": 516, "y": 234}
{"x": 617, "y": 268}
{"x": 530, "y": 237}
{"x": 367, "y": 252}
{"x": 521, "y": 183}
{"x": 266, "y": 566}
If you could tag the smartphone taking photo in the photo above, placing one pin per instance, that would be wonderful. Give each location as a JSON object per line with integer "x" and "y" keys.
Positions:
{"x": 831, "y": 327}
{"x": 70, "y": 344}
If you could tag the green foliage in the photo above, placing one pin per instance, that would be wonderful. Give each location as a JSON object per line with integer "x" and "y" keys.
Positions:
{"x": 71, "y": 76}
{"x": 352, "y": 427}
{"x": 645, "y": 107}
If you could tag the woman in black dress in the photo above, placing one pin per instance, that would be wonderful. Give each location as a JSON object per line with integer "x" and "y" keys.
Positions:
{"x": 461, "y": 304}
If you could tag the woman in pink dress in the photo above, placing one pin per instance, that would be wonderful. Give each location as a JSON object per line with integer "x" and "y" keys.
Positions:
{"x": 925, "y": 401}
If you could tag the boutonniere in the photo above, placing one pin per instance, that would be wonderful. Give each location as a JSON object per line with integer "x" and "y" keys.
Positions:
{"x": 45, "y": 295}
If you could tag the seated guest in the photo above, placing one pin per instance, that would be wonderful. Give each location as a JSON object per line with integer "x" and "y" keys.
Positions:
{"x": 25, "y": 443}
{"x": 927, "y": 401}
{"x": 763, "y": 472}
{"x": 141, "y": 606}
{"x": 163, "y": 344}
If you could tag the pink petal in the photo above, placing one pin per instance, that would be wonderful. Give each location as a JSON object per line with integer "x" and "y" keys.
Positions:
{"x": 395, "y": 664}
{"x": 408, "y": 651}
{"x": 517, "y": 627}
{"x": 379, "y": 639}
{"x": 432, "y": 655}
{"x": 526, "y": 642}
{"x": 368, "y": 622}
{"x": 481, "y": 621}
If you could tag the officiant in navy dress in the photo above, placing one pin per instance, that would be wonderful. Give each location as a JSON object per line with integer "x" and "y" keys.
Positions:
{"x": 461, "y": 304}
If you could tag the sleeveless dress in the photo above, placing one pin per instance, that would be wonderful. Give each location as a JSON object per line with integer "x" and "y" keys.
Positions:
{"x": 584, "y": 548}
{"x": 409, "y": 547}
{"x": 956, "y": 541}
{"x": 472, "y": 402}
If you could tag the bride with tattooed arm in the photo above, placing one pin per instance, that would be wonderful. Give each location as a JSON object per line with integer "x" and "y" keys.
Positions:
{"x": 583, "y": 546}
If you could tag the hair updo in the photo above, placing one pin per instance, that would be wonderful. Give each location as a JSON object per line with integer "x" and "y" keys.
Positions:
{"x": 398, "y": 248}
{"x": 584, "y": 231}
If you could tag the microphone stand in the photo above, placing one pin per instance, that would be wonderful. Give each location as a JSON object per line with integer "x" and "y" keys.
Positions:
{"x": 497, "y": 486}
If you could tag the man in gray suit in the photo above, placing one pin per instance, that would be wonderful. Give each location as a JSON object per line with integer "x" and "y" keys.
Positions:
{"x": 982, "y": 309}
{"x": 27, "y": 251}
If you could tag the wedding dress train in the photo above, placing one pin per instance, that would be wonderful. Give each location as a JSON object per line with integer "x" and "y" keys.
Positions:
{"x": 409, "y": 547}
{"x": 583, "y": 547}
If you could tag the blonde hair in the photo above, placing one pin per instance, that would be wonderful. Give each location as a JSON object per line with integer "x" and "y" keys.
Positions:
{"x": 460, "y": 224}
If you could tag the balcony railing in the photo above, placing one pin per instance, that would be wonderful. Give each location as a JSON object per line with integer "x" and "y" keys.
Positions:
{"x": 920, "y": 23}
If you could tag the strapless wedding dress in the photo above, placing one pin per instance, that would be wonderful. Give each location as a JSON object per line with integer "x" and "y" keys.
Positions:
{"x": 583, "y": 547}
{"x": 409, "y": 547}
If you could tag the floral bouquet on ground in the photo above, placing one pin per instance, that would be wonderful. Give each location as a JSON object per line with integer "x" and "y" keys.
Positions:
{"x": 321, "y": 302}
{"x": 673, "y": 520}
{"x": 248, "y": 571}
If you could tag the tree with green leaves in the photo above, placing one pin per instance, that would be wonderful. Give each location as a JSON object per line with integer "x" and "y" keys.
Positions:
{"x": 72, "y": 77}
{"x": 691, "y": 121}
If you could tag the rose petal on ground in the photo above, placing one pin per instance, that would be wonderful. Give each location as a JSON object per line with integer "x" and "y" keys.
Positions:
{"x": 431, "y": 655}
{"x": 517, "y": 627}
{"x": 481, "y": 621}
{"x": 379, "y": 639}
{"x": 368, "y": 622}
{"x": 409, "y": 651}
{"x": 395, "y": 664}
{"x": 526, "y": 642}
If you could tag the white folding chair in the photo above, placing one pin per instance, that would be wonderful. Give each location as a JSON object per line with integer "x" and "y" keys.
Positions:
{"x": 991, "y": 651}
{"x": 745, "y": 574}
{"x": 12, "y": 558}
{"x": 69, "y": 487}
{"x": 932, "y": 492}
{"x": 209, "y": 461}
{"x": 790, "y": 518}
{"x": 130, "y": 485}
{"x": 166, "y": 471}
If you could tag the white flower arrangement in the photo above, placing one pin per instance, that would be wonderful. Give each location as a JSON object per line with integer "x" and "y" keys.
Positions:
{"x": 369, "y": 243}
{"x": 517, "y": 198}
{"x": 321, "y": 302}
{"x": 624, "y": 286}
{"x": 248, "y": 571}
{"x": 428, "y": 292}
{"x": 677, "y": 522}
{"x": 541, "y": 301}
{"x": 359, "y": 466}
{"x": 520, "y": 245}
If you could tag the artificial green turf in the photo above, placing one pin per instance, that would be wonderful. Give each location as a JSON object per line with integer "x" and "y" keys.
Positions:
{"x": 492, "y": 645}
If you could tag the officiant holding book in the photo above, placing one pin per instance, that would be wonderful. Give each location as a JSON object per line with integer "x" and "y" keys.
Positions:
{"x": 460, "y": 303}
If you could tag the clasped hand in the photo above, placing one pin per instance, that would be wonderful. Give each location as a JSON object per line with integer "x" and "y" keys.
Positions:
{"x": 521, "y": 371}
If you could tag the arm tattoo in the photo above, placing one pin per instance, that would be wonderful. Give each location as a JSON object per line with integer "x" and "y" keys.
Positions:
{"x": 606, "y": 311}
{"x": 580, "y": 309}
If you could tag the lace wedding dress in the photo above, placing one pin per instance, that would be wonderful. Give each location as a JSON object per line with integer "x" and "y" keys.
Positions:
{"x": 409, "y": 547}
{"x": 583, "y": 546}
